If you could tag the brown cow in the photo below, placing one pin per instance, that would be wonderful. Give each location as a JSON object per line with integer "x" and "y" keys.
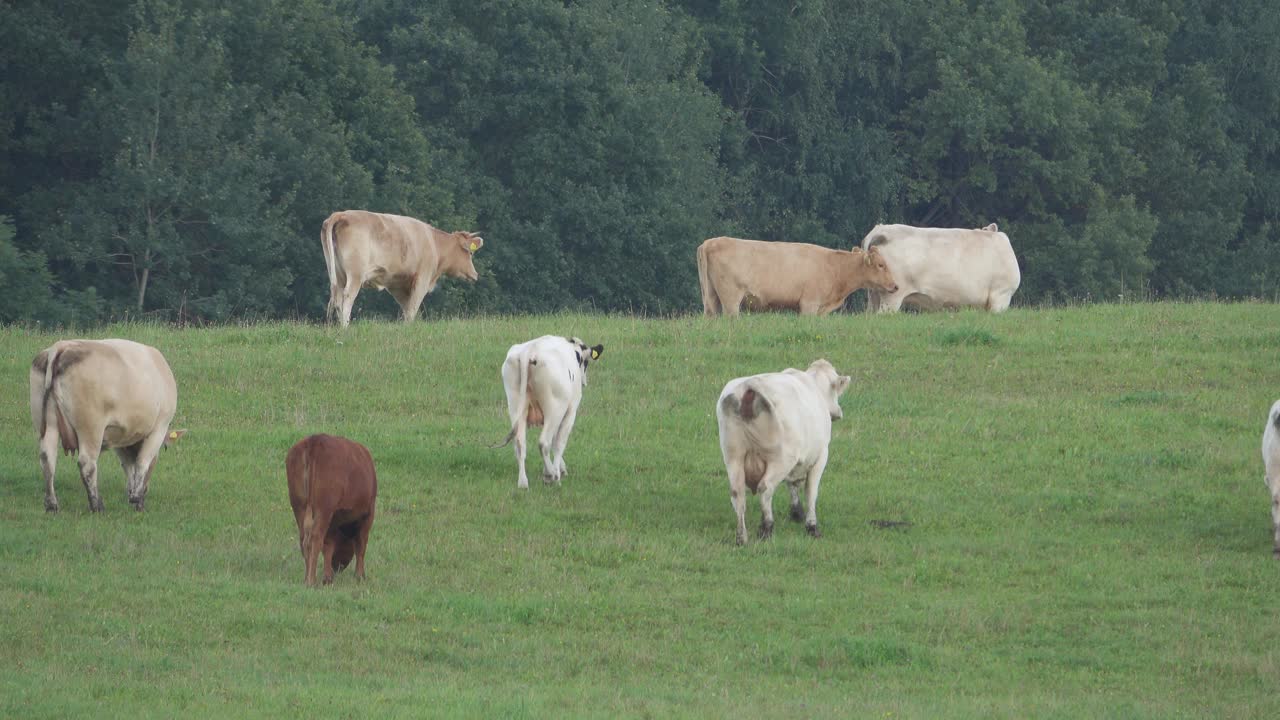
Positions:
{"x": 401, "y": 255}
{"x": 332, "y": 488}
{"x": 793, "y": 276}
{"x": 98, "y": 394}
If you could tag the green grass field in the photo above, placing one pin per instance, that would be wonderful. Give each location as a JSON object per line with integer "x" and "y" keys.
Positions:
{"x": 1089, "y": 529}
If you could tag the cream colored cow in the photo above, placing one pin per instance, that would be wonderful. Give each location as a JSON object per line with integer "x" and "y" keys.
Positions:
{"x": 404, "y": 256}
{"x": 776, "y": 427}
{"x": 98, "y": 394}
{"x": 945, "y": 267}
{"x": 1271, "y": 459}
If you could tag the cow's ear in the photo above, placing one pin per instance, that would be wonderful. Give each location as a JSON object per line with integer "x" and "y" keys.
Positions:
{"x": 597, "y": 351}
{"x": 173, "y": 437}
{"x": 472, "y": 242}
{"x": 842, "y": 384}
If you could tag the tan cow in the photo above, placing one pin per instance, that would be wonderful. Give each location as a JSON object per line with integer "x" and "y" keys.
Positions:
{"x": 399, "y": 254}
{"x": 98, "y": 394}
{"x": 793, "y": 276}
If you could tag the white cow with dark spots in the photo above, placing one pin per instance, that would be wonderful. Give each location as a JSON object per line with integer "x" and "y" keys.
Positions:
{"x": 776, "y": 427}
{"x": 543, "y": 379}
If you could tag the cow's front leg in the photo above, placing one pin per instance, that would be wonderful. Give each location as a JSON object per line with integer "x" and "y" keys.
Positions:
{"x": 797, "y": 509}
{"x": 144, "y": 462}
{"x": 362, "y": 542}
{"x": 811, "y": 491}
{"x": 88, "y": 461}
{"x": 413, "y": 301}
{"x": 330, "y": 547}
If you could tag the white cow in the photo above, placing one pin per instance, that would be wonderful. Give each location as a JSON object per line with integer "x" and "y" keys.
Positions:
{"x": 1271, "y": 458}
{"x": 776, "y": 427}
{"x": 98, "y": 394}
{"x": 945, "y": 267}
{"x": 544, "y": 378}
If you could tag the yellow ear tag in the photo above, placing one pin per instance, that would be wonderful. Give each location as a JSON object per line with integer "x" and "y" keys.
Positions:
{"x": 474, "y": 247}
{"x": 595, "y": 355}
{"x": 173, "y": 435}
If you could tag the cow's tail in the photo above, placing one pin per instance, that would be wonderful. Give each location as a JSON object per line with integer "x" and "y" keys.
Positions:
{"x": 309, "y": 517}
{"x": 518, "y": 408}
{"x": 749, "y": 404}
{"x": 328, "y": 242}
{"x": 66, "y": 434}
{"x": 710, "y": 302}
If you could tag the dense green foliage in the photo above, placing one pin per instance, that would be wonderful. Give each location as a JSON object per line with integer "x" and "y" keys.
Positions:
{"x": 175, "y": 158}
{"x": 1089, "y": 529}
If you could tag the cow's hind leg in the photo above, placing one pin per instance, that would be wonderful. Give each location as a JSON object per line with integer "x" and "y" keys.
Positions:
{"x": 1273, "y": 483}
{"x": 811, "y": 492}
{"x": 731, "y": 302}
{"x": 90, "y": 446}
{"x": 553, "y": 416}
{"x": 313, "y": 543}
{"x": 999, "y": 300}
{"x": 349, "y": 293}
{"x": 519, "y": 444}
{"x": 738, "y": 497}
{"x": 774, "y": 474}
{"x": 48, "y": 464}
{"x": 562, "y": 439}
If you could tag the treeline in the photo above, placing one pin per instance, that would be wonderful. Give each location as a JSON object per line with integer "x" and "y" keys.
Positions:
{"x": 175, "y": 158}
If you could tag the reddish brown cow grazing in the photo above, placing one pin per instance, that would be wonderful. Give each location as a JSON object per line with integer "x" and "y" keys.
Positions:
{"x": 332, "y": 487}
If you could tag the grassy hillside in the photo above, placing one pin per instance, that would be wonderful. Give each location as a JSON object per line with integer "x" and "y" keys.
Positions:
{"x": 1088, "y": 528}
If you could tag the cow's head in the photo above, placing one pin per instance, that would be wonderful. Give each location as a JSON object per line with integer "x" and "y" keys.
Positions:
{"x": 879, "y": 277}
{"x": 469, "y": 243}
{"x": 831, "y": 384}
{"x": 585, "y": 354}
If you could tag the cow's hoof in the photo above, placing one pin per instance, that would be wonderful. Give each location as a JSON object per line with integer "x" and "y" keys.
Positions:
{"x": 548, "y": 479}
{"x": 742, "y": 539}
{"x": 522, "y": 485}
{"x": 51, "y": 507}
{"x": 95, "y": 505}
{"x": 813, "y": 531}
{"x": 1274, "y": 553}
{"x": 797, "y": 513}
{"x": 766, "y": 531}
{"x": 137, "y": 504}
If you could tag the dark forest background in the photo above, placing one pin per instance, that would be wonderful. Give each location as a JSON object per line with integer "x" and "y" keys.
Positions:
{"x": 174, "y": 159}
